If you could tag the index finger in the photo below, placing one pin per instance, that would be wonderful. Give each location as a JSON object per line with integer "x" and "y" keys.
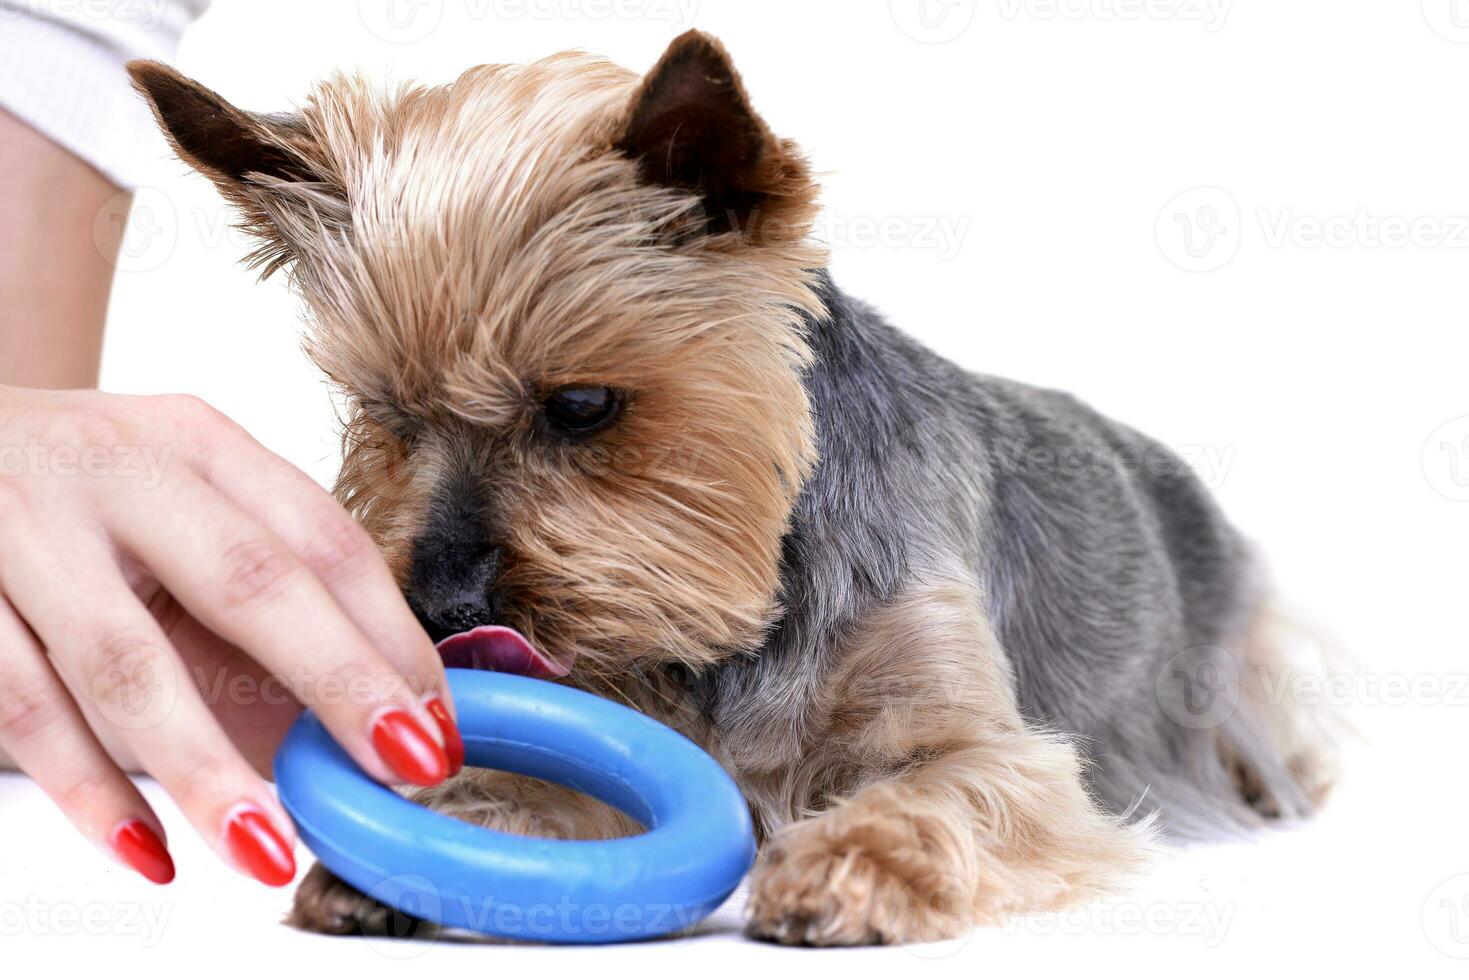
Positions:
{"x": 245, "y": 585}
{"x": 343, "y": 557}
{"x": 316, "y": 528}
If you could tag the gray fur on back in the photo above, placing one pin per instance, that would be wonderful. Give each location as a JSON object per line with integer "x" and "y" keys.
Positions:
{"x": 1111, "y": 578}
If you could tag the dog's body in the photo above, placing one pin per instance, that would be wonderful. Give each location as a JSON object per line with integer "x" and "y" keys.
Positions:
{"x": 949, "y": 633}
{"x": 1101, "y": 565}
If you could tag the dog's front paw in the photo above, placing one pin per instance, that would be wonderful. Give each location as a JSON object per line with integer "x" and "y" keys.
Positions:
{"x": 849, "y": 879}
{"x": 327, "y": 904}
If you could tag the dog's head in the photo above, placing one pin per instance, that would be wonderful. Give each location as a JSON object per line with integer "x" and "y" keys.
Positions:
{"x": 564, "y": 305}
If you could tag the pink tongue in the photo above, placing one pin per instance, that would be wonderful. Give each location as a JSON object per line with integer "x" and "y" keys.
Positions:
{"x": 498, "y": 648}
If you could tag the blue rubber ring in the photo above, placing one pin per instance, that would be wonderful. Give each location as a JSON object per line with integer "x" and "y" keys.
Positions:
{"x": 698, "y": 845}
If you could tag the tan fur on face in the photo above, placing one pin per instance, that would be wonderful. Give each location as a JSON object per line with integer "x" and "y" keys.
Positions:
{"x": 475, "y": 245}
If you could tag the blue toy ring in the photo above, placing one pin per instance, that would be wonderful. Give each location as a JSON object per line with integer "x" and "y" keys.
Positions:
{"x": 697, "y": 847}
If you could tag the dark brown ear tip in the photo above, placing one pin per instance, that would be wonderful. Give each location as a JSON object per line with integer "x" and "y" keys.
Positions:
{"x": 694, "y": 37}
{"x": 155, "y": 81}
{"x": 696, "y": 46}
{"x": 705, "y": 46}
{"x": 146, "y": 73}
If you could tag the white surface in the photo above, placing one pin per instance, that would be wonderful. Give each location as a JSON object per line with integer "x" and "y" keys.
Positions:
{"x": 1351, "y": 890}
{"x": 1011, "y": 196}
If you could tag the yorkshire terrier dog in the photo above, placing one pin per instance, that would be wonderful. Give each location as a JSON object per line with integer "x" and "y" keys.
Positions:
{"x": 612, "y": 423}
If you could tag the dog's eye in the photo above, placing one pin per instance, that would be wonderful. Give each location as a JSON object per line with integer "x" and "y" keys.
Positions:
{"x": 581, "y": 409}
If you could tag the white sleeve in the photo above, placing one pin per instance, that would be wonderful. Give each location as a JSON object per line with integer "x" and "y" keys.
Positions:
{"x": 61, "y": 72}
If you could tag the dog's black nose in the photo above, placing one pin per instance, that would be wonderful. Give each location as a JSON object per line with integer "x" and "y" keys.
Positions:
{"x": 454, "y": 591}
{"x": 455, "y": 565}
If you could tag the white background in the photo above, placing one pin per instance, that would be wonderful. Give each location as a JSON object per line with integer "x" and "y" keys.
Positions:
{"x": 1018, "y": 184}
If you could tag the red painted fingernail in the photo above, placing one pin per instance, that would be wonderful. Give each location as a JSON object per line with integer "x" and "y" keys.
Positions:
{"x": 453, "y": 741}
{"x": 258, "y": 848}
{"x": 409, "y": 750}
{"x": 135, "y": 842}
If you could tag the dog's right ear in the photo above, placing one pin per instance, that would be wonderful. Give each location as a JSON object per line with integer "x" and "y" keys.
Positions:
{"x": 268, "y": 166}
{"x": 225, "y": 144}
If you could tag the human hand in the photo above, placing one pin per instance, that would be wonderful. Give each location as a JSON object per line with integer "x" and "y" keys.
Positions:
{"x": 160, "y": 571}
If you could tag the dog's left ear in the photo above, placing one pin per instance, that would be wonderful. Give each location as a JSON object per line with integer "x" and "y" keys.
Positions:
{"x": 691, "y": 126}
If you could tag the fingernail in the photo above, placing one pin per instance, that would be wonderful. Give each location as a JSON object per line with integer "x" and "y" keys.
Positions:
{"x": 258, "y": 848}
{"x": 453, "y": 741}
{"x": 135, "y": 842}
{"x": 409, "y": 750}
